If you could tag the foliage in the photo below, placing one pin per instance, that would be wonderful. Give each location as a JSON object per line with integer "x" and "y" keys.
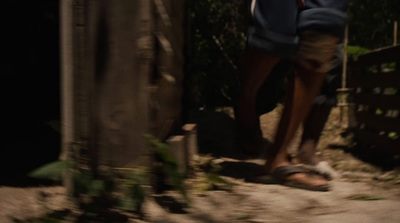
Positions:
{"x": 114, "y": 187}
{"x": 95, "y": 194}
{"x": 169, "y": 165}
{"x": 371, "y": 22}
{"x": 206, "y": 175}
{"x": 217, "y": 40}
{"x": 134, "y": 193}
{"x": 51, "y": 171}
{"x": 355, "y": 51}
{"x": 218, "y": 37}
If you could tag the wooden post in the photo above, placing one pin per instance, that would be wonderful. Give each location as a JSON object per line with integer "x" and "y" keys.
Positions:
{"x": 346, "y": 42}
{"x": 190, "y": 132}
{"x": 67, "y": 90}
{"x": 395, "y": 33}
{"x": 179, "y": 151}
{"x": 344, "y": 74}
{"x": 66, "y": 34}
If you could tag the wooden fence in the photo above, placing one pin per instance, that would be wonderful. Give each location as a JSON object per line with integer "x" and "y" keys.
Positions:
{"x": 375, "y": 80}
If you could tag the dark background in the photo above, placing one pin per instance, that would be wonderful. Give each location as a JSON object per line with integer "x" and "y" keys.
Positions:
{"x": 30, "y": 86}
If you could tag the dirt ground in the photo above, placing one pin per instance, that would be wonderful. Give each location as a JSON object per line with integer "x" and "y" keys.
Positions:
{"x": 362, "y": 193}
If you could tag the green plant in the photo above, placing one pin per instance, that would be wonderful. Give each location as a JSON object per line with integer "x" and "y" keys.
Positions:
{"x": 96, "y": 195}
{"x": 51, "y": 171}
{"x": 355, "y": 51}
{"x": 113, "y": 187}
{"x": 133, "y": 192}
{"x": 206, "y": 176}
{"x": 167, "y": 165}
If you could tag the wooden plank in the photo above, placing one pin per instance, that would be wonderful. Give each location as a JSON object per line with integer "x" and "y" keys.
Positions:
{"x": 179, "y": 151}
{"x": 67, "y": 87}
{"x": 378, "y": 122}
{"x": 190, "y": 131}
{"x": 381, "y": 142}
{"x": 389, "y": 79}
{"x": 383, "y": 55}
{"x": 378, "y": 100}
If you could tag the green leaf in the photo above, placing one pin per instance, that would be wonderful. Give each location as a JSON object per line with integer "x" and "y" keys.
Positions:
{"x": 127, "y": 203}
{"x": 393, "y": 135}
{"x": 96, "y": 188}
{"x": 217, "y": 179}
{"x": 134, "y": 193}
{"x": 133, "y": 199}
{"x": 51, "y": 171}
{"x": 169, "y": 167}
{"x": 356, "y": 50}
{"x": 82, "y": 180}
{"x": 161, "y": 149}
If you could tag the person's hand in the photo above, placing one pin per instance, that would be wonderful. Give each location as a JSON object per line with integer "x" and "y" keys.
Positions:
{"x": 301, "y": 3}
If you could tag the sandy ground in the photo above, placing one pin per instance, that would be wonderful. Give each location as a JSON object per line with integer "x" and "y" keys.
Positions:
{"x": 361, "y": 194}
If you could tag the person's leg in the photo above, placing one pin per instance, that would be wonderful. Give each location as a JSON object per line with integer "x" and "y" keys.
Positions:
{"x": 271, "y": 36}
{"x": 321, "y": 25}
{"x": 312, "y": 129}
{"x": 257, "y": 65}
{"x": 304, "y": 89}
{"x": 307, "y": 155}
{"x": 315, "y": 122}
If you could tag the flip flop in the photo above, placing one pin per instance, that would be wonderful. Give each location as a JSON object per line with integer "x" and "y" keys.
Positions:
{"x": 322, "y": 168}
{"x": 280, "y": 174}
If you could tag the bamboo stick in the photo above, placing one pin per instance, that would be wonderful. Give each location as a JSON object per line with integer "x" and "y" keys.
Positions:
{"x": 395, "y": 33}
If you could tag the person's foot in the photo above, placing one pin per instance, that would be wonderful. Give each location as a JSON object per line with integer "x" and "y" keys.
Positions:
{"x": 308, "y": 158}
{"x": 300, "y": 177}
{"x": 306, "y": 154}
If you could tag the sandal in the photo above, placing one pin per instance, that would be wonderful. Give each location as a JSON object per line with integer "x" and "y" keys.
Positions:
{"x": 322, "y": 168}
{"x": 280, "y": 174}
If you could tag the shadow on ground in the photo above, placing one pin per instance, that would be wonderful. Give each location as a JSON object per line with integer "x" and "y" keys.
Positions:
{"x": 385, "y": 161}
{"x": 24, "y": 181}
{"x": 217, "y": 136}
{"x": 170, "y": 204}
{"x": 240, "y": 170}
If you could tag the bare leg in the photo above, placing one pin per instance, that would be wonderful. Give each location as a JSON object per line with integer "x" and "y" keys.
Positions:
{"x": 305, "y": 87}
{"x": 312, "y": 130}
{"x": 257, "y": 65}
